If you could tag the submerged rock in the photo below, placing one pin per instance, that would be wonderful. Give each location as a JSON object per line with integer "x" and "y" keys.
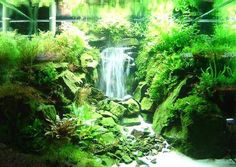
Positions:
{"x": 130, "y": 121}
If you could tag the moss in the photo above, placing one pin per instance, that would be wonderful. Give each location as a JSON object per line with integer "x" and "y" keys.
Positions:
{"x": 69, "y": 154}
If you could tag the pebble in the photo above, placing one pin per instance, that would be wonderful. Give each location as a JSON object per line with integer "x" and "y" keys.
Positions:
{"x": 154, "y": 161}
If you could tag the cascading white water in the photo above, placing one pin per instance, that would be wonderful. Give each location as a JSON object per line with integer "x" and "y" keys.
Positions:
{"x": 115, "y": 67}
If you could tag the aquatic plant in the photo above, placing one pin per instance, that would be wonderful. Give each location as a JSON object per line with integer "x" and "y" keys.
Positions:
{"x": 63, "y": 129}
{"x": 45, "y": 74}
{"x": 9, "y": 55}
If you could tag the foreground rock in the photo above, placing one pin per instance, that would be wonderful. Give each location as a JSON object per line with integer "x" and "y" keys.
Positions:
{"x": 194, "y": 126}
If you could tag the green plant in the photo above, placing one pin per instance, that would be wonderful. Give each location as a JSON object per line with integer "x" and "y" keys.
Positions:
{"x": 176, "y": 41}
{"x": 213, "y": 77}
{"x": 45, "y": 74}
{"x": 34, "y": 134}
{"x": 115, "y": 31}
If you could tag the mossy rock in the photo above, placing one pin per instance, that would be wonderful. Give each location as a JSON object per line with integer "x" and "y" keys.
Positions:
{"x": 132, "y": 107}
{"x": 115, "y": 108}
{"x": 195, "y": 127}
{"x": 71, "y": 81}
{"x": 108, "y": 139}
{"x": 108, "y": 122}
{"x": 87, "y": 112}
{"x": 146, "y": 104}
{"x": 140, "y": 91}
{"x": 130, "y": 121}
{"x": 87, "y": 61}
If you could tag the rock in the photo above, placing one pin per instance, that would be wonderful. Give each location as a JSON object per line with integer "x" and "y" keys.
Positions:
{"x": 117, "y": 109}
{"x": 87, "y": 61}
{"x": 146, "y": 104}
{"x": 108, "y": 122}
{"x": 140, "y": 91}
{"x": 132, "y": 106}
{"x": 86, "y": 112}
{"x": 136, "y": 133}
{"x": 163, "y": 115}
{"x": 130, "y": 121}
{"x": 108, "y": 139}
{"x": 104, "y": 105}
{"x": 138, "y": 153}
{"x": 107, "y": 114}
{"x": 97, "y": 94}
{"x": 194, "y": 126}
{"x": 71, "y": 81}
{"x": 129, "y": 42}
{"x": 141, "y": 163}
{"x": 154, "y": 161}
{"x": 125, "y": 157}
{"x": 147, "y": 117}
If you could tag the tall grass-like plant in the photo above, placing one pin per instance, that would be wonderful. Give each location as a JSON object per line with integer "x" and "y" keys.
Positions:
{"x": 9, "y": 55}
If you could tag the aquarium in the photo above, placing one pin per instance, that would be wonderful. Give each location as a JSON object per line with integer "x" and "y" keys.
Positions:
{"x": 117, "y": 83}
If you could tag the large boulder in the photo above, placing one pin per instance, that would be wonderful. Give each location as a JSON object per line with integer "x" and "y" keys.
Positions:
{"x": 194, "y": 126}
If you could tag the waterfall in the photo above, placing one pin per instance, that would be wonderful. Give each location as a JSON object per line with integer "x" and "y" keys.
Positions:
{"x": 115, "y": 68}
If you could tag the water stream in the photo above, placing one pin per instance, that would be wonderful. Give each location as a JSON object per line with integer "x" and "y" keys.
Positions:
{"x": 115, "y": 68}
